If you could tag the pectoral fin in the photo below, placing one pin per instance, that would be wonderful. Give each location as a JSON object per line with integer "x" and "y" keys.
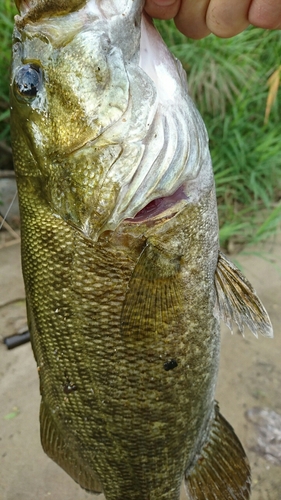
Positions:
{"x": 238, "y": 301}
{"x": 222, "y": 469}
{"x": 58, "y": 450}
{"x": 153, "y": 301}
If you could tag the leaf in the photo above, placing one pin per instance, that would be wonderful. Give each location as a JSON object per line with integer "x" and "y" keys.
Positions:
{"x": 270, "y": 224}
{"x": 273, "y": 83}
{"x": 12, "y": 414}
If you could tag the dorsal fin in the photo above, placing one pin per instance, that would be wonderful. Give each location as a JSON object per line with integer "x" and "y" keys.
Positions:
{"x": 238, "y": 301}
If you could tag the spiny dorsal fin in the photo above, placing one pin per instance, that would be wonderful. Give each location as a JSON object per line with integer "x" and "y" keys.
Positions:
{"x": 222, "y": 470}
{"x": 238, "y": 301}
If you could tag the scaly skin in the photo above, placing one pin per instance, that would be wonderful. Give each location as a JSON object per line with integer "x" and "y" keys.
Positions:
{"x": 121, "y": 314}
{"x": 103, "y": 382}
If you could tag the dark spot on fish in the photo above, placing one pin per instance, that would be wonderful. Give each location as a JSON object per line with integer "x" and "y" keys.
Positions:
{"x": 69, "y": 387}
{"x": 170, "y": 365}
{"x": 28, "y": 81}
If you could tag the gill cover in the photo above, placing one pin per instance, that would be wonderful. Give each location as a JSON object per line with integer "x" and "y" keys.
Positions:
{"x": 112, "y": 126}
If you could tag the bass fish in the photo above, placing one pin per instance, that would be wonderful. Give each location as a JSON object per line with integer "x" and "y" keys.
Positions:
{"x": 124, "y": 279}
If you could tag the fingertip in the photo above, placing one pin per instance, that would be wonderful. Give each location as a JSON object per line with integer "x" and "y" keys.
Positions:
{"x": 191, "y": 19}
{"x": 224, "y": 31}
{"x": 162, "y": 9}
{"x": 227, "y": 18}
{"x": 266, "y": 15}
{"x": 191, "y": 30}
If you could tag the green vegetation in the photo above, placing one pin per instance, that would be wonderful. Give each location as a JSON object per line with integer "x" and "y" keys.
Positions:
{"x": 7, "y": 12}
{"x": 228, "y": 81}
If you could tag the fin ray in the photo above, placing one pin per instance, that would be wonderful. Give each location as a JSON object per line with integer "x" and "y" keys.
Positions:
{"x": 238, "y": 301}
{"x": 56, "y": 448}
{"x": 222, "y": 469}
{"x": 153, "y": 301}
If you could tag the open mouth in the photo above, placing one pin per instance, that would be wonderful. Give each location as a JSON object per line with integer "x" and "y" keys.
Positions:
{"x": 159, "y": 208}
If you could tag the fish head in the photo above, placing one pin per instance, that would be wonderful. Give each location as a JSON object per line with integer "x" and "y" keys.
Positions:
{"x": 102, "y": 121}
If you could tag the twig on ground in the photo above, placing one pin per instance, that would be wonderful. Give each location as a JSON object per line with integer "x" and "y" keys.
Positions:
{"x": 5, "y": 148}
{"x": 12, "y": 301}
{"x": 7, "y": 174}
{"x": 10, "y": 230}
{"x": 10, "y": 243}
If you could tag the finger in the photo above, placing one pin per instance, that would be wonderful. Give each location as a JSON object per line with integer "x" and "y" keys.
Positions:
{"x": 191, "y": 18}
{"x": 265, "y": 14}
{"x": 162, "y": 9}
{"x": 226, "y": 18}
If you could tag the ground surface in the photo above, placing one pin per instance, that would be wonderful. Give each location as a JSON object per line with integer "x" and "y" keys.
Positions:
{"x": 250, "y": 377}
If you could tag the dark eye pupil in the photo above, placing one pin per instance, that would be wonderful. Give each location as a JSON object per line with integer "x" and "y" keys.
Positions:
{"x": 28, "y": 80}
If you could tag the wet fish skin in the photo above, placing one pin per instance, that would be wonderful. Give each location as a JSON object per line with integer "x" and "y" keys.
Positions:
{"x": 122, "y": 303}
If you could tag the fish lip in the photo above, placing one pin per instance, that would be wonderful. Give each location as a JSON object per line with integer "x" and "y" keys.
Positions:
{"x": 161, "y": 208}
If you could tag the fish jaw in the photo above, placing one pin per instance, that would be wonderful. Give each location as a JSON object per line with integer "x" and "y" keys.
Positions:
{"x": 112, "y": 127}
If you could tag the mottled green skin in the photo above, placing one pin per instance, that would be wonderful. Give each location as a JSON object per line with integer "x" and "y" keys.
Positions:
{"x": 108, "y": 311}
{"x": 133, "y": 423}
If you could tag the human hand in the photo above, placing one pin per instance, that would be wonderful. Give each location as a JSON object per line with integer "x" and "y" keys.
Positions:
{"x": 225, "y": 18}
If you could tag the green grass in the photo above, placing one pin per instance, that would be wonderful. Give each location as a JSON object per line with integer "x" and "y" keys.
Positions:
{"x": 228, "y": 81}
{"x": 7, "y": 12}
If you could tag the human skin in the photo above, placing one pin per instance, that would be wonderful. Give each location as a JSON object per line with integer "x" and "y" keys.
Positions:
{"x": 225, "y": 18}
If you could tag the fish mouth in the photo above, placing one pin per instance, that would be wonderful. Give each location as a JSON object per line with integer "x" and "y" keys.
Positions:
{"x": 161, "y": 208}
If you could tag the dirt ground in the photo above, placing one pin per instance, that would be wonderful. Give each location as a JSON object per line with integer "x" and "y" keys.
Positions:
{"x": 250, "y": 377}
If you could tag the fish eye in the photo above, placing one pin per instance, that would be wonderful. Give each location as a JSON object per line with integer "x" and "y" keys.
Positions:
{"x": 28, "y": 81}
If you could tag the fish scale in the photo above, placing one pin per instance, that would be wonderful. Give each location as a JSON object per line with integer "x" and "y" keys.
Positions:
{"x": 79, "y": 322}
{"x": 124, "y": 279}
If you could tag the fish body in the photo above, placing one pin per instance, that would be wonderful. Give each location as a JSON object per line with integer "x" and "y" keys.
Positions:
{"x": 124, "y": 280}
